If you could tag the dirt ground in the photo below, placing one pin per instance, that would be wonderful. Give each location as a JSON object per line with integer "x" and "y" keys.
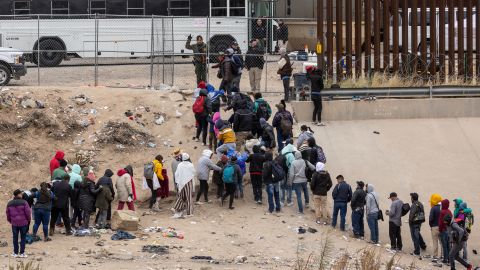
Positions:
{"x": 30, "y": 137}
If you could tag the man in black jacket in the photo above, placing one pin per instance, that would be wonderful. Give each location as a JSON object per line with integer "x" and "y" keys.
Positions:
{"x": 282, "y": 34}
{"x": 342, "y": 195}
{"x": 358, "y": 204}
{"x": 63, "y": 192}
{"x": 106, "y": 181}
{"x": 415, "y": 220}
{"x": 268, "y": 137}
{"x": 256, "y": 161}
{"x": 320, "y": 185}
{"x": 243, "y": 120}
{"x": 254, "y": 63}
{"x": 202, "y": 118}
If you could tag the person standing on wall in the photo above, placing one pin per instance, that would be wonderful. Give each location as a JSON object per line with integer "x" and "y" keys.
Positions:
{"x": 315, "y": 75}
{"x": 200, "y": 57}
{"x": 282, "y": 34}
{"x": 285, "y": 71}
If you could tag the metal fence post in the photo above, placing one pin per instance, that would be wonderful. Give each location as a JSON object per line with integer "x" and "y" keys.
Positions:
{"x": 266, "y": 73}
{"x": 208, "y": 49}
{"x": 173, "y": 54}
{"x": 96, "y": 50}
{"x": 152, "y": 44}
{"x": 163, "y": 50}
{"x": 38, "y": 50}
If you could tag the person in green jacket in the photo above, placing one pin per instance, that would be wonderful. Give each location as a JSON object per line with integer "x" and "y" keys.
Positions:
{"x": 200, "y": 57}
{"x": 59, "y": 173}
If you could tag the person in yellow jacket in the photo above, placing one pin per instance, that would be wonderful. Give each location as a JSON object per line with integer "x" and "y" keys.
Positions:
{"x": 157, "y": 169}
{"x": 227, "y": 136}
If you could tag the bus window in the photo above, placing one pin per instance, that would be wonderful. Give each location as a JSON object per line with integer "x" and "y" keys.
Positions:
{"x": 98, "y": 7}
{"x": 59, "y": 7}
{"x": 237, "y": 8}
{"x": 135, "y": 7}
{"x": 21, "y": 7}
{"x": 179, "y": 8}
{"x": 219, "y": 8}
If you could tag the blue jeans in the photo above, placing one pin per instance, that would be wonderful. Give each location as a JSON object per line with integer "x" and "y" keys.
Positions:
{"x": 280, "y": 139}
{"x": 240, "y": 185}
{"x": 299, "y": 187}
{"x": 285, "y": 189}
{"x": 372, "y": 221}
{"x": 22, "y": 230}
{"x": 273, "y": 192}
{"x": 357, "y": 223}
{"x": 417, "y": 238}
{"x": 42, "y": 216}
{"x": 342, "y": 207}
{"x": 445, "y": 245}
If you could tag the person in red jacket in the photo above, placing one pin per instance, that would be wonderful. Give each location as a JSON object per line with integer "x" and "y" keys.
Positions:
{"x": 19, "y": 215}
{"x": 55, "y": 162}
{"x": 442, "y": 228}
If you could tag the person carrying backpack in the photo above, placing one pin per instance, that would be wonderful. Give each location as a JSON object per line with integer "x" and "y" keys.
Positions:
{"x": 272, "y": 174}
{"x": 373, "y": 212}
{"x": 238, "y": 63}
{"x": 458, "y": 240}
{"x": 268, "y": 137}
{"x": 317, "y": 151}
{"x": 283, "y": 122}
{"x": 466, "y": 216}
{"x": 306, "y": 133}
{"x": 228, "y": 138}
{"x": 395, "y": 222}
{"x": 217, "y": 177}
{"x": 256, "y": 161}
{"x": 202, "y": 108}
{"x": 261, "y": 109}
{"x": 297, "y": 179}
{"x": 320, "y": 185}
{"x": 243, "y": 125}
{"x": 415, "y": 220}
{"x": 231, "y": 174}
{"x": 443, "y": 229}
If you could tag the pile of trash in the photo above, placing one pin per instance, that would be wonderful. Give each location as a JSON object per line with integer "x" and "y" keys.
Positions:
{"x": 166, "y": 232}
{"x": 121, "y": 235}
{"x": 9, "y": 100}
{"x": 157, "y": 249}
{"x": 86, "y": 232}
{"x": 121, "y": 133}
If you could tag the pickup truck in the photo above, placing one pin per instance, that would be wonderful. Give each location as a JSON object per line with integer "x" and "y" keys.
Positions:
{"x": 12, "y": 65}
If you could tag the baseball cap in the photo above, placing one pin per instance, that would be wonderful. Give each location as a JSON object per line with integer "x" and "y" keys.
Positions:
{"x": 393, "y": 194}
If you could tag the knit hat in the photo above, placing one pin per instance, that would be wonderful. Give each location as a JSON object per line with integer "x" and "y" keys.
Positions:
{"x": 91, "y": 175}
{"x": 280, "y": 107}
{"x": 108, "y": 173}
{"x": 224, "y": 159}
{"x": 202, "y": 85}
{"x": 435, "y": 199}
{"x": 185, "y": 157}
{"x": 319, "y": 166}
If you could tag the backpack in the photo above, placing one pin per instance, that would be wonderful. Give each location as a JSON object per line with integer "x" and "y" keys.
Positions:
{"x": 308, "y": 172}
{"x": 198, "y": 105}
{"x": 286, "y": 126}
{"x": 419, "y": 216}
{"x": 148, "y": 170}
{"x": 278, "y": 172}
{"x": 228, "y": 173}
{"x": 469, "y": 220}
{"x": 237, "y": 65}
{"x": 245, "y": 101}
{"x": 262, "y": 111}
{"x": 405, "y": 209}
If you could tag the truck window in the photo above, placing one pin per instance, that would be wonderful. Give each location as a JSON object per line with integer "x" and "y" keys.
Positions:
{"x": 21, "y": 7}
{"x": 178, "y": 7}
{"x": 60, "y": 7}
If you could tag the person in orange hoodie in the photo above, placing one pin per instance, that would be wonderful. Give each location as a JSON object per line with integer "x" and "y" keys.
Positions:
{"x": 55, "y": 162}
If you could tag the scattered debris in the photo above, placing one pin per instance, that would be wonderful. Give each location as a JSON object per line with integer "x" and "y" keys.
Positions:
{"x": 81, "y": 100}
{"x": 209, "y": 258}
{"x": 121, "y": 235}
{"x": 3, "y": 243}
{"x": 312, "y": 230}
{"x": 175, "y": 97}
{"x": 178, "y": 114}
{"x": 151, "y": 145}
{"x": 28, "y": 104}
{"x": 240, "y": 259}
{"x": 160, "y": 120}
{"x": 122, "y": 133}
{"x": 301, "y": 230}
{"x": 157, "y": 249}
{"x": 100, "y": 243}
{"x": 376, "y": 132}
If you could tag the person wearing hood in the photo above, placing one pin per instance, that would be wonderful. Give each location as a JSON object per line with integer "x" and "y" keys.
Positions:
{"x": 342, "y": 195}
{"x": 217, "y": 176}
{"x": 60, "y": 172}
{"x": 55, "y": 162}
{"x": 124, "y": 190}
{"x": 415, "y": 220}
{"x": 358, "y": 210}
{"x": 465, "y": 218}
{"x": 261, "y": 109}
{"x": 372, "y": 210}
{"x": 271, "y": 183}
{"x": 288, "y": 155}
{"x": 213, "y": 132}
{"x": 129, "y": 170}
{"x": 157, "y": 167}
{"x": 184, "y": 177}
{"x": 268, "y": 138}
{"x": 434, "y": 216}
{"x": 18, "y": 215}
{"x": 458, "y": 240}
{"x": 227, "y": 137}
{"x": 306, "y": 133}
{"x": 320, "y": 185}
{"x": 42, "y": 210}
{"x": 442, "y": 228}
{"x": 87, "y": 198}
{"x": 75, "y": 175}
{"x": 256, "y": 161}
{"x": 177, "y": 158}
{"x": 77, "y": 213}
{"x": 282, "y": 122}
{"x": 204, "y": 166}
{"x": 458, "y": 202}
{"x": 201, "y": 115}
{"x": 106, "y": 182}
{"x": 63, "y": 193}
{"x": 243, "y": 120}
{"x": 297, "y": 179}
{"x": 231, "y": 175}
{"x": 226, "y": 72}
{"x": 317, "y": 151}
{"x": 102, "y": 203}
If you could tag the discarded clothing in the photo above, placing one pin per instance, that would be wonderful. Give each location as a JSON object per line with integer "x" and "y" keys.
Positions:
{"x": 82, "y": 233}
{"x": 209, "y": 258}
{"x": 155, "y": 249}
{"x": 121, "y": 235}
{"x": 30, "y": 238}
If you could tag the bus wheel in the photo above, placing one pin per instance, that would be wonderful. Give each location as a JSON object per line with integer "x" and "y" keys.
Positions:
{"x": 51, "y": 53}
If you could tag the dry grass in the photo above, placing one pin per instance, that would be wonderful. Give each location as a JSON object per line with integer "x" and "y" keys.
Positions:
{"x": 24, "y": 266}
{"x": 370, "y": 259}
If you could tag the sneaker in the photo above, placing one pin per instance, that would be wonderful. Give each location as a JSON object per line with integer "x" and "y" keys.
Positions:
{"x": 231, "y": 207}
{"x": 282, "y": 204}
{"x": 48, "y": 239}
{"x": 198, "y": 203}
{"x": 299, "y": 213}
{"x": 321, "y": 124}
{"x": 318, "y": 222}
{"x": 23, "y": 255}
{"x": 14, "y": 255}
{"x": 290, "y": 204}
{"x": 177, "y": 215}
{"x": 307, "y": 205}
{"x": 197, "y": 139}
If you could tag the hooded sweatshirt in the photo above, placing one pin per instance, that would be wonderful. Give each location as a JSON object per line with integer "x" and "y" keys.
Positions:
{"x": 123, "y": 185}
{"x": 106, "y": 181}
{"x": 321, "y": 180}
{"x": 256, "y": 161}
{"x": 372, "y": 206}
{"x": 215, "y": 118}
{"x": 458, "y": 202}
{"x": 75, "y": 175}
{"x": 55, "y": 162}
{"x": 226, "y": 135}
{"x": 288, "y": 151}
{"x": 445, "y": 211}
{"x": 243, "y": 120}
{"x": 268, "y": 136}
{"x": 267, "y": 173}
{"x": 296, "y": 172}
{"x": 435, "y": 203}
{"x": 157, "y": 169}
{"x": 304, "y": 136}
{"x": 205, "y": 164}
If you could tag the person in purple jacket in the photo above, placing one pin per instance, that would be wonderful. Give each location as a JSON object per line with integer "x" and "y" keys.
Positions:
{"x": 19, "y": 215}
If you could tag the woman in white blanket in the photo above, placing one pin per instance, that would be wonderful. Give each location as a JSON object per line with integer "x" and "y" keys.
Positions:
{"x": 184, "y": 177}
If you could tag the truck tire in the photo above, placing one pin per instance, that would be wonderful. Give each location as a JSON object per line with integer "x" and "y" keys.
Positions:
{"x": 52, "y": 53}
{"x": 5, "y": 75}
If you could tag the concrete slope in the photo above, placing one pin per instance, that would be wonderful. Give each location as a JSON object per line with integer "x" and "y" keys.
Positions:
{"x": 422, "y": 155}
